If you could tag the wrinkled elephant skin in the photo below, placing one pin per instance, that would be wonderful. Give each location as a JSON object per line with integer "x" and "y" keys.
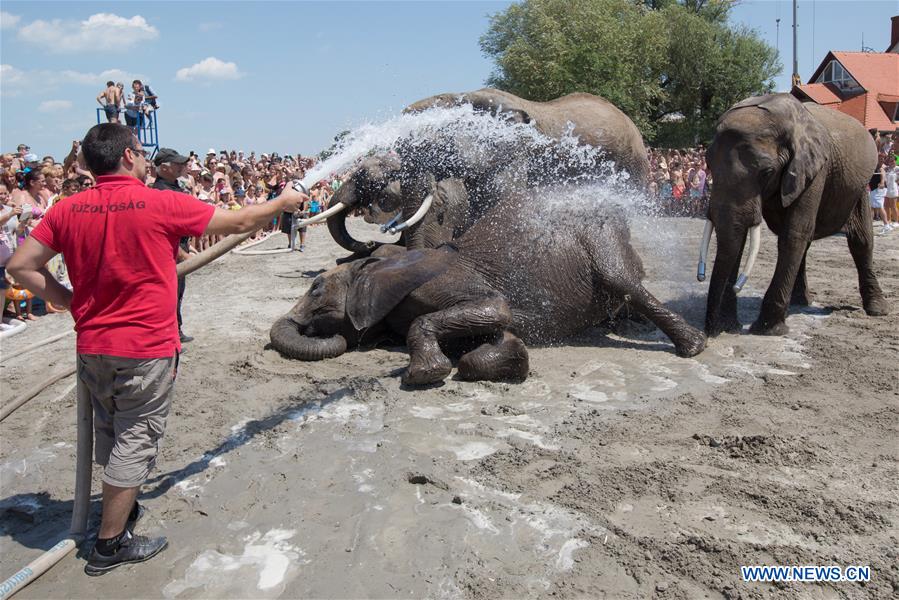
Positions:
{"x": 489, "y": 292}
{"x": 803, "y": 169}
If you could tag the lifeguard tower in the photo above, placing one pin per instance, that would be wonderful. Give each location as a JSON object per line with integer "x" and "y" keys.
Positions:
{"x": 146, "y": 130}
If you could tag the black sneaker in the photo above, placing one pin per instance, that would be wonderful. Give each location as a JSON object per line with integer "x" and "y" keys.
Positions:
{"x": 185, "y": 338}
{"x": 133, "y": 549}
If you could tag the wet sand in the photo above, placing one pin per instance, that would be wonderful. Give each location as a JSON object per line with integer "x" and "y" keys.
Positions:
{"x": 616, "y": 470}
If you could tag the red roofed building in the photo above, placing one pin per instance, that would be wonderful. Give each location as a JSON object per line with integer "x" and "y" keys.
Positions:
{"x": 864, "y": 85}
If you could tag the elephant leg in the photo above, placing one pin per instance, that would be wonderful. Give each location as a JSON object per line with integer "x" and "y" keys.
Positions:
{"x": 860, "y": 236}
{"x": 800, "y": 295}
{"x": 790, "y": 252}
{"x": 504, "y": 360}
{"x": 427, "y": 362}
{"x": 729, "y": 321}
{"x": 688, "y": 341}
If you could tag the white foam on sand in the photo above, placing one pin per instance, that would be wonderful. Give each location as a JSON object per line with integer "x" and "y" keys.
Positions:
{"x": 426, "y": 412}
{"x": 187, "y": 486}
{"x": 270, "y": 555}
{"x": 585, "y": 392}
{"x": 566, "y": 553}
{"x": 527, "y": 436}
{"x": 472, "y": 450}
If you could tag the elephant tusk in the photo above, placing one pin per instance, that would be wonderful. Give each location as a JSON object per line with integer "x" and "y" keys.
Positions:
{"x": 418, "y": 216}
{"x": 704, "y": 250}
{"x": 322, "y": 216}
{"x": 391, "y": 222}
{"x": 755, "y": 236}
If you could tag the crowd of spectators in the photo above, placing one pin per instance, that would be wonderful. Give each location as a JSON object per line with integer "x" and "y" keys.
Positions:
{"x": 31, "y": 185}
{"x": 679, "y": 181}
{"x": 884, "y": 185}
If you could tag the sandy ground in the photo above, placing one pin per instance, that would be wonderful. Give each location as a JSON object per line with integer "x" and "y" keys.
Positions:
{"x": 616, "y": 470}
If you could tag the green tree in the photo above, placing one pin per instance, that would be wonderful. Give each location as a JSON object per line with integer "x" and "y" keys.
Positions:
{"x": 672, "y": 65}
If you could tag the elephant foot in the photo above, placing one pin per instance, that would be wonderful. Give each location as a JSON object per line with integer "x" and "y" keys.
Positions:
{"x": 728, "y": 325}
{"x": 761, "y": 327}
{"x": 798, "y": 299}
{"x": 692, "y": 345}
{"x": 431, "y": 369}
{"x": 503, "y": 361}
{"x": 877, "y": 306}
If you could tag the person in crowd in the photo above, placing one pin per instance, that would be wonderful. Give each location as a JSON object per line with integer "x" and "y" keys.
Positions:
{"x": 9, "y": 221}
{"x": 151, "y": 104}
{"x": 170, "y": 167}
{"x": 890, "y": 178}
{"x": 125, "y": 316}
{"x": 878, "y": 191}
{"x": 109, "y": 100}
{"x": 31, "y": 200}
{"x": 85, "y": 182}
{"x": 133, "y": 110}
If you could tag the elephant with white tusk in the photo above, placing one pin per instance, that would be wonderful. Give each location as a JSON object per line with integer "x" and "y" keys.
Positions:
{"x": 803, "y": 170}
{"x": 465, "y": 175}
{"x": 502, "y": 284}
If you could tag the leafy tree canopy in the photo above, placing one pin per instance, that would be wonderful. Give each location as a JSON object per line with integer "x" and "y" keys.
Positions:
{"x": 674, "y": 66}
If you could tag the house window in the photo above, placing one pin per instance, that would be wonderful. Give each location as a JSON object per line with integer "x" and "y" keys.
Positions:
{"x": 835, "y": 73}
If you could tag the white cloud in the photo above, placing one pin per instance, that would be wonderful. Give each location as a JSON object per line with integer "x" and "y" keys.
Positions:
{"x": 14, "y": 81}
{"x": 209, "y": 69}
{"x": 100, "y": 33}
{"x": 98, "y": 78}
{"x": 210, "y": 26}
{"x": 8, "y": 21}
{"x": 50, "y": 106}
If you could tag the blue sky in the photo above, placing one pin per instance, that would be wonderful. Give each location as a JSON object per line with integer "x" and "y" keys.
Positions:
{"x": 287, "y": 76}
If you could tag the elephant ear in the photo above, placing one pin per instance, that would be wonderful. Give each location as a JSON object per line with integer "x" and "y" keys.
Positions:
{"x": 378, "y": 285}
{"x": 807, "y": 141}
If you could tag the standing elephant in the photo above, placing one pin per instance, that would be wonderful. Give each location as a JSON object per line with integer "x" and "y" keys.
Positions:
{"x": 467, "y": 176}
{"x": 803, "y": 169}
{"x": 515, "y": 277}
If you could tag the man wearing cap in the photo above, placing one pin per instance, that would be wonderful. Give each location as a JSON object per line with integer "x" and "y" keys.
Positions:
{"x": 170, "y": 166}
{"x": 119, "y": 240}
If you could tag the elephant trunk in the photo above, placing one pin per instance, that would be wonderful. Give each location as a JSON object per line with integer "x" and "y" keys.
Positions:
{"x": 287, "y": 339}
{"x": 337, "y": 229}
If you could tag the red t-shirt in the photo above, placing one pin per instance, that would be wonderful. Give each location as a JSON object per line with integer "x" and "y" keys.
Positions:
{"x": 120, "y": 241}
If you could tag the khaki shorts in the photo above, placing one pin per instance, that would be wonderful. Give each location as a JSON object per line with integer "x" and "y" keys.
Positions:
{"x": 131, "y": 399}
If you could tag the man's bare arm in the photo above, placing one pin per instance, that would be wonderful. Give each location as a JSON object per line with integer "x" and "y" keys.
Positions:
{"x": 71, "y": 157}
{"x": 27, "y": 266}
{"x": 250, "y": 218}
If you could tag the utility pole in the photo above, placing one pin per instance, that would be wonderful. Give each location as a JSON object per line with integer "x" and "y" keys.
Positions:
{"x": 778, "y": 35}
{"x": 796, "y": 79}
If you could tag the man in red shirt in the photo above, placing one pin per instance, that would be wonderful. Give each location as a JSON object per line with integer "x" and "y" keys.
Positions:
{"x": 120, "y": 240}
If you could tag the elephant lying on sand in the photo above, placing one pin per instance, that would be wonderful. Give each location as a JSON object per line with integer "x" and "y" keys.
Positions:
{"x": 486, "y": 170}
{"x": 511, "y": 279}
{"x": 802, "y": 168}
